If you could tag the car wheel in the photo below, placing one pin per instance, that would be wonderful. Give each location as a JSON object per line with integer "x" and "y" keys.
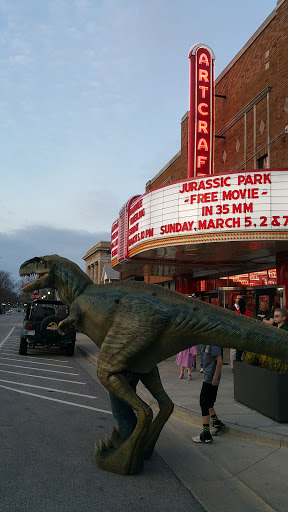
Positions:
{"x": 69, "y": 351}
{"x": 23, "y": 347}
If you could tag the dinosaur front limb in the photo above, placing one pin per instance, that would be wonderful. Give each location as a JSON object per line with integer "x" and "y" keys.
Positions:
{"x": 153, "y": 383}
{"x": 71, "y": 319}
{"x": 128, "y": 457}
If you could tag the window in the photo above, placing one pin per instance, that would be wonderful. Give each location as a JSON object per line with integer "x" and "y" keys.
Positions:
{"x": 262, "y": 162}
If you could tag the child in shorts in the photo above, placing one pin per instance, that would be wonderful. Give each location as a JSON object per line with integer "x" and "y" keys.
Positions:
{"x": 213, "y": 362}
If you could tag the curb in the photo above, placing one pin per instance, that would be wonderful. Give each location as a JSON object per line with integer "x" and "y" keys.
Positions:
{"x": 86, "y": 353}
{"x": 231, "y": 429}
{"x": 195, "y": 419}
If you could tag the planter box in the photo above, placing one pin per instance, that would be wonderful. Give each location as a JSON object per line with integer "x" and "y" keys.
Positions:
{"x": 262, "y": 390}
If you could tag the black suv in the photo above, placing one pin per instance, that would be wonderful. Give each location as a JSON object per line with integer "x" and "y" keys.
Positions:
{"x": 40, "y": 327}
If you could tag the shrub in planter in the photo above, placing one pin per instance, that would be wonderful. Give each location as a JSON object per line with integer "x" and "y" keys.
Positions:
{"x": 261, "y": 382}
{"x": 270, "y": 363}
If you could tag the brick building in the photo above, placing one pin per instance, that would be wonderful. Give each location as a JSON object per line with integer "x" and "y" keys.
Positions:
{"x": 251, "y": 114}
{"x": 254, "y": 109}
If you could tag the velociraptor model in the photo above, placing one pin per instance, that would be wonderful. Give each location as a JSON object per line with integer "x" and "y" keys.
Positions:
{"x": 137, "y": 325}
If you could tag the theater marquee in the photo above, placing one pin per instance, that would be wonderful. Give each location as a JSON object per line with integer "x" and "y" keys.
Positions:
{"x": 170, "y": 229}
{"x": 230, "y": 207}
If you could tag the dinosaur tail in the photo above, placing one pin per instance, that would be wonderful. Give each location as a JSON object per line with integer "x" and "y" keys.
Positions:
{"x": 229, "y": 329}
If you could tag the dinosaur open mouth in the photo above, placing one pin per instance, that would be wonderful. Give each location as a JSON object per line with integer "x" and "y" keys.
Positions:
{"x": 37, "y": 280}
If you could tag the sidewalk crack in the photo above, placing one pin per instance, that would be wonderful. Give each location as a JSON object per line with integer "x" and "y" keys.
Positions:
{"x": 258, "y": 461}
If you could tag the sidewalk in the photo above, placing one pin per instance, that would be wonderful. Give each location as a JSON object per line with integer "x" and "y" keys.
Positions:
{"x": 245, "y": 469}
{"x": 240, "y": 421}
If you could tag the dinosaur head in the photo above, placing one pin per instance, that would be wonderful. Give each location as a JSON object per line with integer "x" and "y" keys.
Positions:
{"x": 43, "y": 270}
{"x": 55, "y": 272}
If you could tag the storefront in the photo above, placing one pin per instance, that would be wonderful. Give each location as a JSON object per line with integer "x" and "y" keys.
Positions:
{"x": 216, "y": 216}
{"x": 208, "y": 228}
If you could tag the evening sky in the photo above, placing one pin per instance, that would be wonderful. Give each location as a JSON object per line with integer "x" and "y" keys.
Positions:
{"x": 92, "y": 96}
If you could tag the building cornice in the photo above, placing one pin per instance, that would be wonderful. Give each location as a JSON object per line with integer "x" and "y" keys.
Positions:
{"x": 102, "y": 246}
{"x": 250, "y": 41}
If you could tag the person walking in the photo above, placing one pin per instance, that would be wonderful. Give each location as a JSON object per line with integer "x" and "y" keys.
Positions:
{"x": 186, "y": 359}
{"x": 213, "y": 362}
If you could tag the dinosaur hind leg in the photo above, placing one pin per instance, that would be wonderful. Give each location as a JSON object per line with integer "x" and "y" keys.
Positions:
{"x": 153, "y": 383}
{"x": 137, "y": 324}
{"x": 126, "y": 458}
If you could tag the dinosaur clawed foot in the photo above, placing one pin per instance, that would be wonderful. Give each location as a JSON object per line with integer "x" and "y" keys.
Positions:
{"x": 109, "y": 446}
{"x": 115, "y": 437}
{"x": 115, "y": 456}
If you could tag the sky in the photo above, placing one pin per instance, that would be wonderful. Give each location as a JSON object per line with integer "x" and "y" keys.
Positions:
{"x": 92, "y": 93}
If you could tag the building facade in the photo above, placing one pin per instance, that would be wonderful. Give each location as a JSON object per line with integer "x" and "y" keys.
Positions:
{"x": 251, "y": 107}
{"x": 251, "y": 133}
{"x": 96, "y": 258}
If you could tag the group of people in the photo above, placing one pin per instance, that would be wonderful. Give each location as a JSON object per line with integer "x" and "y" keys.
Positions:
{"x": 211, "y": 362}
{"x": 277, "y": 316}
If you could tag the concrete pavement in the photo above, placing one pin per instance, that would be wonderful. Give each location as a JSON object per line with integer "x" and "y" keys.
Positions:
{"x": 249, "y": 457}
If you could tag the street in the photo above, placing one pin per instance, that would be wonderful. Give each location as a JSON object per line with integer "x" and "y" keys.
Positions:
{"x": 53, "y": 410}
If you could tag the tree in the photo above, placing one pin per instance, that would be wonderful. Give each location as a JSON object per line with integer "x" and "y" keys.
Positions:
{"x": 23, "y": 297}
{"x": 7, "y": 288}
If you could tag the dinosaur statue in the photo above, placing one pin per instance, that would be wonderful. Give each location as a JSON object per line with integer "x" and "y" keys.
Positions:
{"x": 136, "y": 325}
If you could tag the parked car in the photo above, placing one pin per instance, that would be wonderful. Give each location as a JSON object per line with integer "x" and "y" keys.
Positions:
{"x": 40, "y": 324}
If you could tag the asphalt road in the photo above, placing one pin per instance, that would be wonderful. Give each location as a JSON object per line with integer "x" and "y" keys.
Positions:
{"x": 52, "y": 411}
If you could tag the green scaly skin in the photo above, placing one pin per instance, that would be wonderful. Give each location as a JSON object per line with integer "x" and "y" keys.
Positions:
{"x": 136, "y": 325}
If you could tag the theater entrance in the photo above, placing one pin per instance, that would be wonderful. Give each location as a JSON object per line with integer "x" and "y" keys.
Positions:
{"x": 225, "y": 297}
{"x": 270, "y": 293}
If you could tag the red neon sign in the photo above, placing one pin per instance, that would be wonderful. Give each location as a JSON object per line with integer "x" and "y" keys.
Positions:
{"x": 201, "y": 121}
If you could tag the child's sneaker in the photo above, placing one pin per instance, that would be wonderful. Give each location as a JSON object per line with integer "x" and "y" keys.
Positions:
{"x": 201, "y": 370}
{"x": 216, "y": 427}
{"x": 189, "y": 377}
{"x": 181, "y": 376}
{"x": 204, "y": 437}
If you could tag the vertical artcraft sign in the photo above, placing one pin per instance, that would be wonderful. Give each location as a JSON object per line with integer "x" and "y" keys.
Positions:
{"x": 201, "y": 122}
